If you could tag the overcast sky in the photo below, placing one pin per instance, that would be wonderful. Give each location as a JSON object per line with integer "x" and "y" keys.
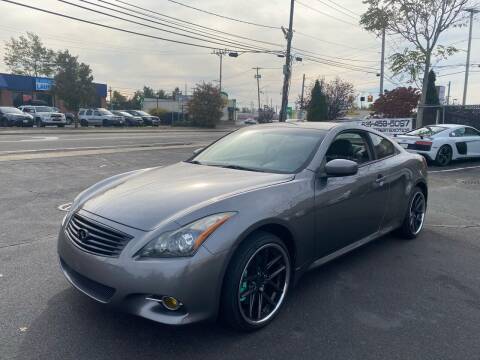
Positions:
{"x": 127, "y": 62}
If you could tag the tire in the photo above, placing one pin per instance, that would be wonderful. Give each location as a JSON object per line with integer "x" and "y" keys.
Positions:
{"x": 3, "y": 122}
{"x": 39, "y": 123}
{"x": 242, "y": 312}
{"x": 83, "y": 123}
{"x": 61, "y": 125}
{"x": 410, "y": 229}
{"x": 444, "y": 156}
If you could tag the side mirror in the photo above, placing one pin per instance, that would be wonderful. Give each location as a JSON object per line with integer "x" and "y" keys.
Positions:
{"x": 341, "y": 167}
{"x": 197, "y": 151}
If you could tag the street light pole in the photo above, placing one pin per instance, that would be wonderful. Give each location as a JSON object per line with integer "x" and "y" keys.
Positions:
{"x": 465, "y": 88}
{"x": 220, "y": 53}
{"x": 258, "y": 76}
{"x": 288, "y": 63}
{"x": 382, "y": 70}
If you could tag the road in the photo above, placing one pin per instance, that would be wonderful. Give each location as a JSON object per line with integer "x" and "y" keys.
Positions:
{"x": 392, "y": 299}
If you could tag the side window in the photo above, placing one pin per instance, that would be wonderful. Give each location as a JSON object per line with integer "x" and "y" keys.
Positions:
{"x": 89, "y": 112}
{"x": 81, "y": 112}
{"x": 471, "y": 132}
{"x": 458, "y": 133}
{"x": 349, "y": 146}
{"x": 97, "y": 113}
{"x": 383, "y": 147}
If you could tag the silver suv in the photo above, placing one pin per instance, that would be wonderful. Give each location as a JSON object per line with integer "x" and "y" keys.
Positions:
{"x": 99, "y": 117}
{"x": 44, "y": 115}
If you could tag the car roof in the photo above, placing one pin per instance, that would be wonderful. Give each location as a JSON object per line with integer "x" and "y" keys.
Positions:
{"x": 304, "y": 125}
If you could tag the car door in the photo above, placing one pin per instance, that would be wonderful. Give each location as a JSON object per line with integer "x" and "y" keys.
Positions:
{"x": 89, "y": 116}
{"x": 349, "y": 209}
{"x": 473, "y": 141}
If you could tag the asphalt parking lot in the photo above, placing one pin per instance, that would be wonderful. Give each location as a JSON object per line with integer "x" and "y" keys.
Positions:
{"x": 392, "y": 299}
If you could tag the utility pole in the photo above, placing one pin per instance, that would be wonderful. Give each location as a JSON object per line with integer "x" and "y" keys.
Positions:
{"x": 288, "y": 63}
{"x": 220, "y": 53}
{"x": 303, "y": 93}
{"x": 258, "y": 77}
{"x": 467, "y": 69}
{"x": 111, "y": 103}
{"x": 382, "y": 69}
{"x": 448, "y": 93}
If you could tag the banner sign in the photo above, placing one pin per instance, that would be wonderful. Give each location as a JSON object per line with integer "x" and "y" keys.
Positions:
{"x": 389, "y": 127}
{"x": 42, "y": 84}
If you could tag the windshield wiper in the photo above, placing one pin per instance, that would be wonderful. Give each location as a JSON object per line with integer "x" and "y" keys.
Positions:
{"x": 196, "y": 162}
{"x": 237, "y": 167}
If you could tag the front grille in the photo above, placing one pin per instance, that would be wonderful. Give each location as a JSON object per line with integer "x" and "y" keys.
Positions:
{"x": 419, "y": 147}
{"x": 96, "y": 238}
{"x": 92, "y": 288}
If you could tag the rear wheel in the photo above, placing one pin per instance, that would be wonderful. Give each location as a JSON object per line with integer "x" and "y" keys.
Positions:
{"x": 256, "y": 282}
{"x": 444, "y": 156}
{"x": 415, "y": 216}
{"x": 39, "y": 122}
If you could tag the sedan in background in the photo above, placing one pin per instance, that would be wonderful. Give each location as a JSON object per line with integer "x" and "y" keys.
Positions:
{"x": 10, "y": 116}
{"x": 129, "y": 119}
{"x": 230, "y": 230}
{"x": 148, "y": 119}
{"x": 442, "y": 143}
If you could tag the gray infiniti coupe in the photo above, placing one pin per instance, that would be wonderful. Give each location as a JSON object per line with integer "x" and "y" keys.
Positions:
{"x": 228, "y": 232}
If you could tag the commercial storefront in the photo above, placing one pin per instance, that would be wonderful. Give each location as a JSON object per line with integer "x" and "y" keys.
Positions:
{"x": 17, "y": 90}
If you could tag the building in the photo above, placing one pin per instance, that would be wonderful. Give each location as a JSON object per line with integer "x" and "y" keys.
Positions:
{"x": 17, "y": 90}
{"x": 180, "y": 106}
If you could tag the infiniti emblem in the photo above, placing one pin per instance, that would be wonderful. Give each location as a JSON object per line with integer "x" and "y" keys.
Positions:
{"x": 83, "y": 234}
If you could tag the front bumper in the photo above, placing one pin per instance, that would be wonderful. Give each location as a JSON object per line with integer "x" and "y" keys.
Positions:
{"x": 125, "y": 283}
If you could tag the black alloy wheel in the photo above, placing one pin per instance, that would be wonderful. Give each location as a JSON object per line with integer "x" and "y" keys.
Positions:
{"x": 256, "y": 283}
{"x": 415, "y": 216}
{"x": 444, "y": 156}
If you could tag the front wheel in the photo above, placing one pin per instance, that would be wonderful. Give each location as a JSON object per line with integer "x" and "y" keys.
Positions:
{"x": 256, "y": 283}
{"x": 444, "y": 156}
{"x": 415, "y": 216}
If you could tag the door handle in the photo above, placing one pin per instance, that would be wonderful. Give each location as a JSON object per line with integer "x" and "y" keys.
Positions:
{"x": 380, "y": 179}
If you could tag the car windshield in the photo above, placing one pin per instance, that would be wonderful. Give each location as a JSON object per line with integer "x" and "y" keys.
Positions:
{"x": 123, "y": 113}
{"x": 282, "y": 150}
{"x": 142, "y": 113}
{"x": 104, "y": 112}
{"x": 427, "y": 131}
{"x": 41, "y": 109}
{"x": 10, "y": 110}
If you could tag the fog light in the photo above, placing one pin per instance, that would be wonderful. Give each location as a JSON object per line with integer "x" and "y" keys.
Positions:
{"x": 171, "y": 303}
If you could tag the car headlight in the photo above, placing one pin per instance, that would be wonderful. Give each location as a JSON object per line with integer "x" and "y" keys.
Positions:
{"x": 186, "y": 240}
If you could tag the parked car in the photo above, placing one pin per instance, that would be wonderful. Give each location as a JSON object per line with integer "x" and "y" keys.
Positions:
{"x": 250, "y": 121}
{"x": 44, "y": 115}
{"x": 442, "y": 143}
{"x": 146, "y": 117}
{"x": 129, "y": 119}
{"x": 69, "y": 116}
{"x": 10, "y": 116}
{"x": 99, "y": 117}
{"x": 243, "y": 219}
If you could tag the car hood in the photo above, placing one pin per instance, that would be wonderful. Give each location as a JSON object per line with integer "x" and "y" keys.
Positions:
{"x": 150, "y": 198}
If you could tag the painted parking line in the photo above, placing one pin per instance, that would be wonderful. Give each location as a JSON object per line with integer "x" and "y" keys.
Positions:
{"x": 456, "y": 169}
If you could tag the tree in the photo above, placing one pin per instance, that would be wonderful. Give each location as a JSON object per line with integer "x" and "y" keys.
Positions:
{"x": 420, "y": 22}
{"x": 317, "y": 108}
{"x": 118, "y": 101}
{"x": 27, "y": 56}
{"x": 340, "y": 97}
{"x": 206, "y": 106}
{"x": 432, "y": 93}
{"x": 176, "y": 93}
{"x": 161, "y": 94}
{"x": 73, "y": 81}
{"x": 399, "y": 102}
{"x": 148, "y": 92}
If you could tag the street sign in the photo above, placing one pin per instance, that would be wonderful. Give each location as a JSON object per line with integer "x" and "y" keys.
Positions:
{"x": 43, "y": 84}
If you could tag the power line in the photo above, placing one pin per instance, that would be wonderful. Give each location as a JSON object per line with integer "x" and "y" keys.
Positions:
{"x": 178, "y": 21}
{"x": 343, "y": 7}
{"x": 323, "y": 13}
{"x": 109, "y": 26}
{"x": 223, "y": 16}
{"x": 354, "y": 16}
{"x": 332, "y": 42}
{"x": 225, "y": 43}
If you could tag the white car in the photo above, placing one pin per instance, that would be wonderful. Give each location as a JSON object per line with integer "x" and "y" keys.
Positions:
{"x": 44, "y": 115}
{"x": 99, "y": 117}
{"x": 442, "y": 143}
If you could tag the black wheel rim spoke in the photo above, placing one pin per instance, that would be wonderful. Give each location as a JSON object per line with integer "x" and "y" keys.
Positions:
{"x": 417, "y": 213}
{"x": 264, "y": 283}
